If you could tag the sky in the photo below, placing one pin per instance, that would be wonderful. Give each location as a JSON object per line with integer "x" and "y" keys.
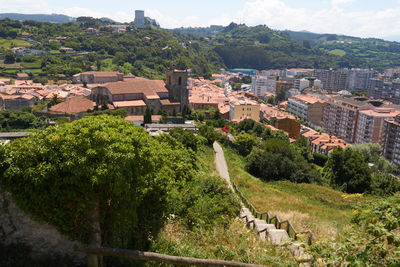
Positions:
{"x": 361, "y": 18}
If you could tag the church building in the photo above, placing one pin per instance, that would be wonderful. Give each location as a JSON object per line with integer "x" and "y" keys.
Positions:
{"x": 138, "y": 93}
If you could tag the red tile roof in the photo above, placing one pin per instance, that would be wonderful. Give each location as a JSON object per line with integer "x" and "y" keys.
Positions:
{"x": 74, "y": 105}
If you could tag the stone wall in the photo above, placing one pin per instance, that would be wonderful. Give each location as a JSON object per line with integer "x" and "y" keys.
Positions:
{"x": 42, "y": 238}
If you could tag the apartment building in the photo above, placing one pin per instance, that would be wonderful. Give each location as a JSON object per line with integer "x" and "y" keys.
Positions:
{"x": 283, "y": 86}
{"x": 307, "y": 108}
{"x": 280, "y": 120}
{"x": 263, "y": 84}
{"x": 359, "y": 79}
{"x": 323, "y": 143}
{"x": 243, "y": 108}
{"x": 391, "y": 141}
{"x": 333, "y": 80}
{"x": 385, "y": 89}
{"x": 341, "y": 115}
{"x": 370, "y": 126}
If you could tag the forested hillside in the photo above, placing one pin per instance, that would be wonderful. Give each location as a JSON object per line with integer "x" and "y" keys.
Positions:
{"x": 262, "y": 48}
{"x": 146, "y": 52}
{"x": 373, "y": 53}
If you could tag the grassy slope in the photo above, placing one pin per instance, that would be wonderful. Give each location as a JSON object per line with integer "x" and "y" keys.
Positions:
{"x": 323, "y": 210}
{"x": 235, "y": 242}
{"x": 6, "y": 44}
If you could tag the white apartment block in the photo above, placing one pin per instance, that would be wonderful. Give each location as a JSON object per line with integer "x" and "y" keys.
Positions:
{"x": 261, "y": 84}
{"x": 298, "y": 108}
{"x": 370, "y": 126}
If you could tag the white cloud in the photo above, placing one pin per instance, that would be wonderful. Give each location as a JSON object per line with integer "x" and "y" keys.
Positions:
{"x": 277, "y": 15}
{"x": 274, "y": 13}
{"x": 339, "y": 2}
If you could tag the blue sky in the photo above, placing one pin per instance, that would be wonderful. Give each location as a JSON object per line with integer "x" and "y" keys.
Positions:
{"x": 364, "y": 18}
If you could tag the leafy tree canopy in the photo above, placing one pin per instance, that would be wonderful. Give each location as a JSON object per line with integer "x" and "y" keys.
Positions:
{"x": 100, "y": 170}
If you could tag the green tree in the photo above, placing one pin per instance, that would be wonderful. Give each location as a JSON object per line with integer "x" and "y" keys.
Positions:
{"x": 244, "y": 143}
{"x": 384, "y": 185}
{"x": 303, "y": 148}
{"x": 99, "y": 180}
{"x": 186, "y": 137}
{"x": 9, "y": 58}
{"x": 208, "y": 132}
{"x": 147, "y": 116}
{"x": 279, "y": 160}
{"x": 347, "y": 170}
{"x": 372, "y": 154}
{"x": 127, "y": 68}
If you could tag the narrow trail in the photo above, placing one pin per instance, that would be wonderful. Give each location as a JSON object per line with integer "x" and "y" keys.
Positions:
{"x": 267, "y": 232}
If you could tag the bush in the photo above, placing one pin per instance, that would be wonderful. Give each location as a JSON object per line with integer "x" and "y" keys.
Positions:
{"x": 244, "y": 143}
{"x": 278, "y": 160}
{"x": 384, "y": 185}
{"x": 372, "y": 239}
{"x": 346, "y": 170}
{"x": 320, "y": 159}
{"x": 186, "y": 137}
{"x": 96, "y": 174}
{"x": 205, "y": 202}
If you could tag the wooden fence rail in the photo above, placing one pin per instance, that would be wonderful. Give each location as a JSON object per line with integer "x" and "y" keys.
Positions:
{"x": 151, "y": 256}
{"x": 273, "y": 220}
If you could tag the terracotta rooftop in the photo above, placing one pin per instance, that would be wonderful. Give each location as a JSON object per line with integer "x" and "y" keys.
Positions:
{"x": 102, "y": 73}
{"x": 166, "y": 102}
{"x": 308, "y": 99}
{"x": 74, "y": 105}
{"x": 136, "y": 86}
{"x": 132, "y": 103}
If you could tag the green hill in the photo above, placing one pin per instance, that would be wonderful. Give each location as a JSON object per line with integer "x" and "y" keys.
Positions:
{"x": 322, "y": 210}
{"x": 371, "y": 52}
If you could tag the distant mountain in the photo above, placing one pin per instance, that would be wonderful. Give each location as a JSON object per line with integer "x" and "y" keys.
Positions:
{"x": 55, "y": 18}
{"x": 200, "y": 31}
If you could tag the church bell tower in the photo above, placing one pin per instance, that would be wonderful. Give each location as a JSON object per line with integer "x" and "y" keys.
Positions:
{"x": 177, "y": 85}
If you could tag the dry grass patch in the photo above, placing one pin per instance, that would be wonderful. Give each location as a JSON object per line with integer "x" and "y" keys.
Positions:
{"x": 324, "y": 211}
{"x": 234, "y": 243}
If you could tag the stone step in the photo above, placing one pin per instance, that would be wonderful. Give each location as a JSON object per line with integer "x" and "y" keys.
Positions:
{"x": 277, "y": 236}
{"x": 261, "y": 225}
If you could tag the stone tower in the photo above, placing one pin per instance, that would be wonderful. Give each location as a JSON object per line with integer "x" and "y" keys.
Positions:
{"x": 177, "y": 85}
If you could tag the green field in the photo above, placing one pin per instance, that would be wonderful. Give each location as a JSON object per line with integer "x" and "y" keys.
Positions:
{"x": 234, "y": 242}
{"x": 338, "y": 52}
{"x": 324, "y": 211}
{"x": 7, "y": 44}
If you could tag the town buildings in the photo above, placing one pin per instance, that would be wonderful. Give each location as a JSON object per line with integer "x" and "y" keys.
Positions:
{"x": 280, "y": 120}
{"x": 385, "y": 89}
{"x": 370, "y": 125}
{"x": 333, "y": 80}
{"x": 263, "y": 84}
{"x": 243, "y": 108}
{"x": 359, "y": 79}
{"x": 95, "y": 77}
{"x": 307, "y": 108}
{"x": 391, "y": 141}
{"x": 323, "y": 143}
{"x": 282, "y": 87}
{"x": 138, "y": 93}
{"x": 342, "y": 113}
